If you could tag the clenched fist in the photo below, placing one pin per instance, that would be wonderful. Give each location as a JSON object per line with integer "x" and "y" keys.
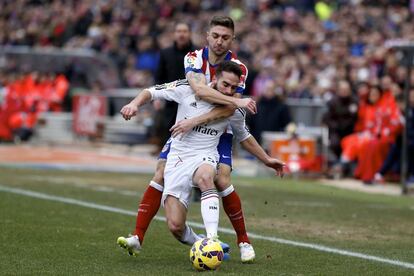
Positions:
{"x": 128, "y": 111}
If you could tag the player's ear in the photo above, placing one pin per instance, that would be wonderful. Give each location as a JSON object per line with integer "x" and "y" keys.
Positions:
{"x": 214, "y": 81}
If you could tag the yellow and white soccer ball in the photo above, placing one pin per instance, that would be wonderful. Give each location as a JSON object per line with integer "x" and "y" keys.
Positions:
{"x": 206, "y": 254}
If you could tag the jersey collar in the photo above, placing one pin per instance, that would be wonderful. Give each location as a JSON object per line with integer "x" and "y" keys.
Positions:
{"x": 228, "y": 56}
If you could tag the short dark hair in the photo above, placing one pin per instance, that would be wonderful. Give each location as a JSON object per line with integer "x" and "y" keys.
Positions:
{"x": 224, "y": 21}
{"x": 228, "y": 66}
{"x": 182, "y": 23}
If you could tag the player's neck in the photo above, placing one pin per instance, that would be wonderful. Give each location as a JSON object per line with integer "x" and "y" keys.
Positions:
{"x": 215, "y": 59}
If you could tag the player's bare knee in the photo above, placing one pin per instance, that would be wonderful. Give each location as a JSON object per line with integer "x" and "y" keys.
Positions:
{"x": 223, "y": 178}
{"x": 222, "y": 182}
{"x": 159, "y": 172}
{"x": 205, "y": 181}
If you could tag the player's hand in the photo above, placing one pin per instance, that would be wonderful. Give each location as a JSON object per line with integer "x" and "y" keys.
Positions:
{"x": 182, "y": 127}
{"x": 128, "y": 111}
{"x": 277, "y": 165}
{"x": 247, "y": 103}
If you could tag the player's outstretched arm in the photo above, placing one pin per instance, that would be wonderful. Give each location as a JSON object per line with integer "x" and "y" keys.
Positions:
{"x": 130, "y": 110}
{"x": 198, "y": 83}
{"x": 250, "y": 144}
{"x": 184, "y": 126}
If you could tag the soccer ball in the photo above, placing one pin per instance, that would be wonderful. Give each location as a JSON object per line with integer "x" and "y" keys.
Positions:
{"x": 206, "y": 254}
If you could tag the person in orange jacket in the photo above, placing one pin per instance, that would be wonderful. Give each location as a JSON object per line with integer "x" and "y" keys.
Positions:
{"x": 60, "y": 89}
{"x": 373, "y": 153}
{"x": 368, "y": 126}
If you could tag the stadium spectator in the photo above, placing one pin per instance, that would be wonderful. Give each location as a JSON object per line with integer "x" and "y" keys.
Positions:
{"x": 372, "y": 154}
{"x": 308, "y": 51}
{"x": 147, "y": 57}
{"x": 341, "y": 116}
{"x": 392, "y": 163}
{"x": 274, "y": 114}
{"x": 25, "y": 98}
{"x": 170, "y": 68}
{"x": 380, "y": 123}
{"x": 366, "y": 129}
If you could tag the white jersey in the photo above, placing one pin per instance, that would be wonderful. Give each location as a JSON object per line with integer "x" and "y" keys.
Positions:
{"x": 238, "y": 125}
{"x": 197, "y": 61}
{"x": 201, "y": 139}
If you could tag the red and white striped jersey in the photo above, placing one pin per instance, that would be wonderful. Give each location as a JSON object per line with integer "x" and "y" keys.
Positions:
{"x": 197, "y": 62}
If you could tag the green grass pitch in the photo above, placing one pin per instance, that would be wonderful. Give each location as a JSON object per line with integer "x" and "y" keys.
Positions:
{"x": 43, "y": 236}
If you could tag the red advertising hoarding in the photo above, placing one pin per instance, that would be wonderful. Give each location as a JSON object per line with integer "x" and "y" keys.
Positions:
{"x": 88, "y": 112}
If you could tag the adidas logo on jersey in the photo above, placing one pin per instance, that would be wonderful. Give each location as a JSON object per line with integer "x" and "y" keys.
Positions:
{"x": 193, "y": 104}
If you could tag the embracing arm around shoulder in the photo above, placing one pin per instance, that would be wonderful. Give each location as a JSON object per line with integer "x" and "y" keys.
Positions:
{"x": 184, "y": 126}
{"x": 198, "y": 83}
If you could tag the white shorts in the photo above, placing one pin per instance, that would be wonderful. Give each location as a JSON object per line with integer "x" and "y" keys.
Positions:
{"x": 178, "y": 175}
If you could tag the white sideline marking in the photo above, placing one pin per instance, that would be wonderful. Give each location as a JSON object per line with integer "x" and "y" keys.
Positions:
{"x": 199, "y": 225}
{"x": 80, "y": 183}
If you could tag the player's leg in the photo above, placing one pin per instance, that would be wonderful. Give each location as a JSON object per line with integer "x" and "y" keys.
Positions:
{"x": 176, "y": 214}
{"x": 233, "y": 208}
{"x": 204, "y": 178}
{"x": 231, "y": 200}
{"x": 148, "y": 207}
{"x": 150, "y": 201}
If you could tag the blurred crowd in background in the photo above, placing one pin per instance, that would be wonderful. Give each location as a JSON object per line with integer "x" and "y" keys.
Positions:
{"x": 303, "y": 47}
{"x": 326, "y": 51}
{"x": 26, "y": 97}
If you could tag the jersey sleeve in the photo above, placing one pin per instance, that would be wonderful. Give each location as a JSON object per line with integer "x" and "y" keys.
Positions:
{"x": 238, "y": 125}
{"x": 193, "y": 62}
{"x": 172, "y": 91}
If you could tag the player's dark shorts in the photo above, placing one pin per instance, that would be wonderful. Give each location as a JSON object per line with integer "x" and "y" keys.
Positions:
{"x": 224, "y": 149}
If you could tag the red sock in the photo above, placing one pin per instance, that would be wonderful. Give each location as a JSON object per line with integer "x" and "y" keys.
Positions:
{"x": 233, "y": 209}
{"x": 148, "y": 208}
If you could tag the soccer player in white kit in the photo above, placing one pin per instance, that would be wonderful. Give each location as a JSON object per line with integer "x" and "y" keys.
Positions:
{"x": 194, "y": 157}
{"x": 197, "y": 63}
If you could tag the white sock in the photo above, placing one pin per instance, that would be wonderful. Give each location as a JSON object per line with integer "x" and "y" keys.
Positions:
{"x": 189, "y": 237}
{"x": 210, "y": 211}
{"x": 156, "y": 186}
{"x": 227, "y": 191}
